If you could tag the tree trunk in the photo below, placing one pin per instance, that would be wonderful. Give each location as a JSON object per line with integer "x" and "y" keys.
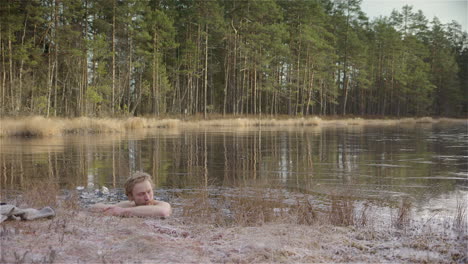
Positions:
{"x": 10, "y": 51}
{"x": 234, "y": 88}
{"x": 56, "y": 47}
{"x": 298, "y": 78}
{"x": 85, "y": 64}
{"x": 20, "y": 88}
{"x": 345, "y": 65}
{"x": 254, "y": 86}
{"x": 259, "y": 91}
{"x": 206, "y": 73}
{"x": 130, "y": 66}
{"x": 155, "y": 98}
{"x": 113, "y": 57}
{"x": 311, "y": 87}
{"x": 49, "y": 83}
{"x": 4, "y": 73}
{"x": 244, "y": 88}
{"x": 226, "y": 80}
{"x": 322, "y": 101}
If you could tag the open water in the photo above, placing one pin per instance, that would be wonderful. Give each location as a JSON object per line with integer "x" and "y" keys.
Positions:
{"x": 426, "y": 162}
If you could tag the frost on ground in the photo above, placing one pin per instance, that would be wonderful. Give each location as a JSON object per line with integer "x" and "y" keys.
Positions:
{"x": 77, "y": 236}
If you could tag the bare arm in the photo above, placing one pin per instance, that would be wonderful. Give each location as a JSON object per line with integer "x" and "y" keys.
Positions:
{"x": 100, "y": 207}
{"x": 127, "y": 208}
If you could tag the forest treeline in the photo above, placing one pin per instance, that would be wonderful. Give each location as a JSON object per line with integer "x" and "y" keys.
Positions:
{"x": 298, "y": 57}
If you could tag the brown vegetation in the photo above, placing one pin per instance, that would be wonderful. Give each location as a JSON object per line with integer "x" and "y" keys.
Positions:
{"x": 461, "y": 216}
{"x": 42, "y": 127}
{"x": 40, "y": 194}
{"x": 403, "y": 215}
{"x": 342, "y": 211}
{"x": 236, "y": 226}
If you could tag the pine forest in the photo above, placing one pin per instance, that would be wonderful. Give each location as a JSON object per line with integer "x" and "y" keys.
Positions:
{"x": 105, "y": 58}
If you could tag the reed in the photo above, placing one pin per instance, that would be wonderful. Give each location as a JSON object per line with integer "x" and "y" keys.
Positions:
{"x": 38, "y": 126}
{"x": 402, "y": 218}
{"x": 39, "y": 194}
{"x": 362, "y": 217}
{"x": 452, "y": 120}
{"x": 304, "y": 212}
{"x": 342, "y": 211}
{"x": 461, "y": 217}
{"x": 165, "y": 123}
{"x": 426, "y": 119}
{"x": 197, "y": 208}
{"x": 85, "y": 125}
{"x": 134, "y": 123}
{"x": 408, "y": 120}
{"x": 314, "y": 121}
{"x": 249, "y": 207}
{"x": 255, "y": 207}
{"x": 256, "y": 210}
{"x": 35, "y": 126}
{"x": 355, "y": 121}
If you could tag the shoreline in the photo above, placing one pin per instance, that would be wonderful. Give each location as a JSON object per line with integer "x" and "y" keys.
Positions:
{"x": 77, "y": 235}
{"x": 38, "y": 126}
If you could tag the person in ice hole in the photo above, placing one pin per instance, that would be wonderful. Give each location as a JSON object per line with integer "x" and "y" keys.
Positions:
{"x": 139, "y": 190}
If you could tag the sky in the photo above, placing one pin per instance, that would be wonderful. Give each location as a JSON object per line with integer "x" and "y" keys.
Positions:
{"x": 445, "y": 10}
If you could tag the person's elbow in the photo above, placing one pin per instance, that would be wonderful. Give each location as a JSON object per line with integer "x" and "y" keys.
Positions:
{"x": 165, "y": 210}
{"x": 166, "y": 213}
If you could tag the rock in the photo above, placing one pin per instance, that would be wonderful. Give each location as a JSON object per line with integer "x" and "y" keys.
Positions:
{"x": 105, "y": 190}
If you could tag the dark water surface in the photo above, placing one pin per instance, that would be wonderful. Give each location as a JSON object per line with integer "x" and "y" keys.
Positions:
{"x": 427, "y": 162}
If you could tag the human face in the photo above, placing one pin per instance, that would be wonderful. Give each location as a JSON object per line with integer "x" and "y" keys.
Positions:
{"x": 142, "y": 193}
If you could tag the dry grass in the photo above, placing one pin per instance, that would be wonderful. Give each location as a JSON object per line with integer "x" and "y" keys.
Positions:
{"x": 304, "y": 212}
{"x": 257, "y": 206}
{"x": 30, "y": 127}
{"x": 426, "y": 120}
{"x": 85, "y": 125}
{"x": 41, "y": 127}
{"x": 198, "y": 209}
{"x": 248, "y": 208}
{"x": 255, "y": 211}
{"x": 249, "y": 225}
{"x": 362, "y": 217}
{"x": 48, "y": 258}
{"x": 460, "y": 221}
{"x": 40, "y": 193}
{"x": 164, "y": 123}
{"x": 134, "y": 123}
{"x": 402, "y": 219}
{"x": 342, "y": 211}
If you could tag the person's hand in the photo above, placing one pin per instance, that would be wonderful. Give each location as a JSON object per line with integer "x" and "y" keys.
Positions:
{"x": 115, "y": 211}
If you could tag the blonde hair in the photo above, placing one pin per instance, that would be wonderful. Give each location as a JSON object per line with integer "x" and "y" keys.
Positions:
{"x": 135, "y": 178}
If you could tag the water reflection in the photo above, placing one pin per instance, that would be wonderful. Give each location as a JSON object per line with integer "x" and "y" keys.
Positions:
{"x": 382, "y": 162}
{"x": 32, "y": 146}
